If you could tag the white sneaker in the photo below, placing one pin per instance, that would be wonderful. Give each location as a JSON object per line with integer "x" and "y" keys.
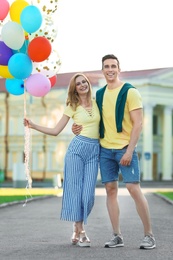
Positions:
{"x": 148, "y": 242}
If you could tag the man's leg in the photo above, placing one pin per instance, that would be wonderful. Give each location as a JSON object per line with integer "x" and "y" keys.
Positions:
{"x": 144, "y": 214}
{"x": 141, "y": 206}
{"x": 109, "y": 169}
{"x": 113, "y": 210}
{"x": 112, "y": 205}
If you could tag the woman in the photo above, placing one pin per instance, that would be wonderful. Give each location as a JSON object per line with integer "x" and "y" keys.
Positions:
{"x": 81, "y": 159}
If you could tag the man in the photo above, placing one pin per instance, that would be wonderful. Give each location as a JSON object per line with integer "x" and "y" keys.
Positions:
{"x": 121, "y": 113}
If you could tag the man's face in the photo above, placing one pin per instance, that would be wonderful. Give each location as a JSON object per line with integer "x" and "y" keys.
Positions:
{"x": 110, "y": 69}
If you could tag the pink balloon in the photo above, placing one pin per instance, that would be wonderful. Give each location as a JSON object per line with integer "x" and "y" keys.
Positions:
{"x": 38, "y": 85}
{"x": 4, "y": 9}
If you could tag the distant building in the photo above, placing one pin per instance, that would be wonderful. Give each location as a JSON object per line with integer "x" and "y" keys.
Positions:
{"x": 47, "y": 152}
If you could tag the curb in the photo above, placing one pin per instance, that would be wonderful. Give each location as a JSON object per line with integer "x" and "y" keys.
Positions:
{"x": 164, "y": 198}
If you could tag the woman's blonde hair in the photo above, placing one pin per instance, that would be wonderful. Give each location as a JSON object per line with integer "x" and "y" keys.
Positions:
{"x": 72, "y": 96}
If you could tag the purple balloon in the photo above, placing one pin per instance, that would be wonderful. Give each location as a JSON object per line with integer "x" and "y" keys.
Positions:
{"x": 5, "y": 53}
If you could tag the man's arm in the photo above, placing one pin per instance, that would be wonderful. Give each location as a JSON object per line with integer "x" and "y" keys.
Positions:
{"x": 137, "y": 119}
{"x": 76, "y": 129}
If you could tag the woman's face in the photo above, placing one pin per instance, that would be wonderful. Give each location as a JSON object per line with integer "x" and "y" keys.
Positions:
{"x": 82, "y": 86}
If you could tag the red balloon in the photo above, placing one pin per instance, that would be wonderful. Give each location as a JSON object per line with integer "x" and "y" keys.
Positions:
{"x": 53, "y": 80}
{"x": 39, "y": 49}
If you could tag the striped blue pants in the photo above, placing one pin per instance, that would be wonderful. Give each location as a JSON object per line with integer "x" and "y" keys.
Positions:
{"x": 80, "y": 176}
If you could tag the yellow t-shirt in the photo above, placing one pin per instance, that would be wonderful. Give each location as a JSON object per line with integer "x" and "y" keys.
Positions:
{"x": 112, "y": 139}
{"x": 89, "y": 121}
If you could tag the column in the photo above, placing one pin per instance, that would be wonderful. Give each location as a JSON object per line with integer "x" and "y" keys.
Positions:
{"x": 167, "y": 144}
{"x": 147, "y": 142}
{"x": 34, "y": 160}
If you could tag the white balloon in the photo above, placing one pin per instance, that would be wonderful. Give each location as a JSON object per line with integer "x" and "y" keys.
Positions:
{"x": 13, "y": 35}
{"x": 47, "y": 7}
{"x": 48, "y": 67}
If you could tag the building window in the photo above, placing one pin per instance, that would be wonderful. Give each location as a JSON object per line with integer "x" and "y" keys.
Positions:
{"x": 155, "y": 125}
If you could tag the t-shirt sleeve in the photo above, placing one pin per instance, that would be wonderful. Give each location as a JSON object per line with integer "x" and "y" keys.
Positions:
{"x": 134, "y": 99}
{"x": 69, "y": 111}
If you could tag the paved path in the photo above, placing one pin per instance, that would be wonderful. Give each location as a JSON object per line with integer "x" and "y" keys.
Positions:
{"x": 34, "y": 232}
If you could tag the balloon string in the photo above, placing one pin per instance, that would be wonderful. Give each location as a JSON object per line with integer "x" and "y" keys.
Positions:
{"x": 27, "y": 152}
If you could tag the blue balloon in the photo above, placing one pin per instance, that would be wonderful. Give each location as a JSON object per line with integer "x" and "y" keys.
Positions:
{"x": 20, "y": 66}
{"x": 24, "y": 48}
{"x": 31, "y": 18}
{"x": 15, "y": 86}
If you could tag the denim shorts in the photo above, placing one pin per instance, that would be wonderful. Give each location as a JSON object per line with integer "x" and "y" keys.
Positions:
{"x": 110, "y": 166}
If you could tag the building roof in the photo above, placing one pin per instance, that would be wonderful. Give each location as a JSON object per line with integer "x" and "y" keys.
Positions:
{"x": 94, "y": 76}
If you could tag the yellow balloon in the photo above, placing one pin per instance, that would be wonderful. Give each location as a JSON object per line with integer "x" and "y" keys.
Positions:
{"x": 16, "y": 9}
{"x": 4, "y": 72}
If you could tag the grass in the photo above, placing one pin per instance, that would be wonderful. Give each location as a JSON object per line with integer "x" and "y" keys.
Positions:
{"x": 19, "y": 194}
{"x": 13, "y": 194}
{"x": 167, "y": 194}
{"x": 7, "y": 199}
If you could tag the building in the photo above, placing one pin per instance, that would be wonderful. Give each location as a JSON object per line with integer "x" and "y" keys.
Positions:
{"x": 47, "y": 152}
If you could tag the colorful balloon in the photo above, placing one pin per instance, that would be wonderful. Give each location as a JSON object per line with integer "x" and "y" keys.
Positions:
{"x": 31, "y": 19}
{"x": 4, "y": 72}
{"x": 24, "y": 48}
{"x": 39, "y": 49}
{"x": 50, "y": 66}
{"x": 47, "y": 7}
{"x": 4, "y": 9}
{"x": 5, "y": 53}
{"x": 16, "y": 9}
{"x": 15, "y": 86}
{"x": 13, "y": 35}
{"x": 20, "y": 66}
{"x": 53, "y": 80}
{"x": 48, "y": 30}
{"x": 37, "y": 85}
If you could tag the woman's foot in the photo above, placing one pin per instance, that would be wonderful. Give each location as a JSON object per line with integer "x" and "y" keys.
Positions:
{"x": 75, "y": 235}
{"x": 84, "y": 240}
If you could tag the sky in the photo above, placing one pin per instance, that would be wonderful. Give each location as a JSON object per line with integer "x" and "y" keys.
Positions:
{"x": 138, "y": 32}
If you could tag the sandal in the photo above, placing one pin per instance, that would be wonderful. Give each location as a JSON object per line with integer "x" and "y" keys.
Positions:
{"x": 75, "y": 235}
{"x": 84, "y": 240}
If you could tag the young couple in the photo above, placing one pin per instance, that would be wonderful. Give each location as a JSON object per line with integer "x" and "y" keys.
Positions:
{"x": 106, "y": 134}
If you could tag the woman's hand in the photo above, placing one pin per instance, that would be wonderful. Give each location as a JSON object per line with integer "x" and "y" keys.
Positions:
{"x": 28, "y": 123}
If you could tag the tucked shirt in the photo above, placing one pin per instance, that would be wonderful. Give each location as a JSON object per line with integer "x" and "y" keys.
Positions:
{"x": 88, "y": 119}
{"x": 112, "y": 139}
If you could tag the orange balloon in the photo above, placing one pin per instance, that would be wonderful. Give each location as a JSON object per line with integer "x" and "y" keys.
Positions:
{"x": 39, "y": 49}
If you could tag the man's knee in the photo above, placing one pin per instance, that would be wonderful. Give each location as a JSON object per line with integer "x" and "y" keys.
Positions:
{"x": 134, "y": 189}
{"x": 111, "y": 188}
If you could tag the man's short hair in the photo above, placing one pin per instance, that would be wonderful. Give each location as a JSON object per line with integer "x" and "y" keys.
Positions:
{"x": 110, "y": 56}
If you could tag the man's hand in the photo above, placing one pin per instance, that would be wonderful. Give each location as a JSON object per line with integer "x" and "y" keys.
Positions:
{"x": 76, "y": 129}
{"x": 126, "y": 159}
